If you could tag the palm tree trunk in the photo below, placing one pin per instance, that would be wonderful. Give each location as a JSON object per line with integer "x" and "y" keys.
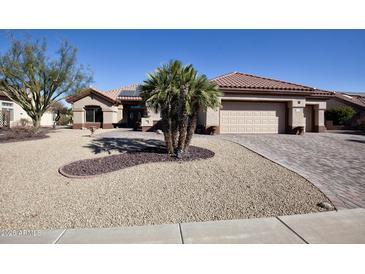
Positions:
{"x": 183, "y": 121}
{"x": 191, "y": 129}
{"x": 183, "y": 125}
{"x": 168, "y": 142}
{"x": 167, "y": 136}
{"x": 166, "y": 123}
{"x": 171, "y": 149}
{"x": 175, "y": 135}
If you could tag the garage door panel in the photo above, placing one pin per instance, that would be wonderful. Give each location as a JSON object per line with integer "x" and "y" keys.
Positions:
{"x": 252, "y": 117}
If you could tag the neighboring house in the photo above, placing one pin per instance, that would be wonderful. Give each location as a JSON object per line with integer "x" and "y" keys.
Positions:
{"x": 250, "y": 104}
{"x": 356, "y": 101}
{"x": 15, "y": 113}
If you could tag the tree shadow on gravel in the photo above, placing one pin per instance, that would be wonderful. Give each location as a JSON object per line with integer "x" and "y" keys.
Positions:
{"x": 347, "y": 131}
{"x": 126, "y": 145}
{"x": 356, "y": 141}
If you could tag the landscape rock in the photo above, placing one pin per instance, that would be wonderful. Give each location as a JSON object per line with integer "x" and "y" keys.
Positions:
{"x": 325, "y": 205}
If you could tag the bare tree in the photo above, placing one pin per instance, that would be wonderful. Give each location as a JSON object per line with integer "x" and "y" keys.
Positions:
{"x": 34, "y": 81}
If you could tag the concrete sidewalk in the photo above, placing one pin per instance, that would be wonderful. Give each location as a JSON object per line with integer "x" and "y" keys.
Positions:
{"x": 345, "y": 226}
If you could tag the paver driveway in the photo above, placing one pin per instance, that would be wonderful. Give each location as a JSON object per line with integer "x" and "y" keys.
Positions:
{"x": 333, "y": 161}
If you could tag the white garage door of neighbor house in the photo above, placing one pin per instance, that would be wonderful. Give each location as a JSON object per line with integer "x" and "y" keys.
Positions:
{"x": 252, "y": 117}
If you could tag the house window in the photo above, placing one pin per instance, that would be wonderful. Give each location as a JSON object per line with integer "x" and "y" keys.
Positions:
{"x": 6, "y": 104}
{"x": 94, "y": 115}
{"x": 8, "y": 107}
{"x": 11, "y": 113}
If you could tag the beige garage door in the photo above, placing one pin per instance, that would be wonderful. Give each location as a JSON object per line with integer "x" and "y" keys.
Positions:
{"x": 252, "y": 117}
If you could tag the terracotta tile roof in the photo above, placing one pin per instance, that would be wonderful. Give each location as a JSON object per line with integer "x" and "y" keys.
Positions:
{"x": 361, "y": 99}
{"x": 356, "y": 99}
{"x": 250, "y": 82}
{"x": 130, "y": 91}
{"x": 234, "y": 80}
{"x": 322, "y": 92}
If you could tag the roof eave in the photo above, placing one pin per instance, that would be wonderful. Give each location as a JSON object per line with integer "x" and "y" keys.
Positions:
{"x": 350, "y": 102}
{"x": 87, "y": 92}
{"x": 126, "y": 98}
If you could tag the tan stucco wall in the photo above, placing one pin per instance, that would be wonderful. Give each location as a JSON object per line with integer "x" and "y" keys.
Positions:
{"x": 110, "y": 112}
{"x": 78, "y": 116}
{"x": 119, "y": 113}
{"x": 212, "y": 118}
{"x": 152, "y": 117}
{"x": 91, "y": 100}
{"x": 296, "y": 113}
{"x": 109, "y": 116}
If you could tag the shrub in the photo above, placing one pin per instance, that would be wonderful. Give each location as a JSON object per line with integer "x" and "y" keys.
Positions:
{"x": 20, "y": 133}
{"x": 64, "y": 120}
{"x": 340, "y": 115}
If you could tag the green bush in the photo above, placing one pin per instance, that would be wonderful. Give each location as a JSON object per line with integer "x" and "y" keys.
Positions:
{"x": 340, "y": 115}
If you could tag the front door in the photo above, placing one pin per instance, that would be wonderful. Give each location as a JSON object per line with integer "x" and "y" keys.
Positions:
{"x": 134, "y": 115}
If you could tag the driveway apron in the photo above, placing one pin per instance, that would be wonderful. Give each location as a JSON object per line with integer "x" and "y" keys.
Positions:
{"x": 332, "y": 161}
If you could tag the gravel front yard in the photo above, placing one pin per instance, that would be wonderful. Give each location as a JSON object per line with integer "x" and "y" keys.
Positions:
{"x": 235, "y": 183}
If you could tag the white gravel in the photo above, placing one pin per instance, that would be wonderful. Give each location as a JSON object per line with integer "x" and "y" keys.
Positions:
{"x": 235, "y": 183}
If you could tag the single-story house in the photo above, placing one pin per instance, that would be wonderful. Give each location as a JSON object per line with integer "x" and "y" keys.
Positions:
{"x": 12, "y": 113}
{"x": 250, "y": 104}
{"x": 356, "y": 101}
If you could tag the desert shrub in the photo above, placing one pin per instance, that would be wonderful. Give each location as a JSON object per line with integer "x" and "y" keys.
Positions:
{"x": 20, "y": 133}
{"x": 340, "y": 115}
{"x": 64, "y": 120}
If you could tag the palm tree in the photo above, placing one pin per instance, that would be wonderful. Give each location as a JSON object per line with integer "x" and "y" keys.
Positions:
{"x": 203, "y": 94}
{"x": 179, "y": 93}
{"x": 187, "y": 78}
{"x": 159, "y": 92}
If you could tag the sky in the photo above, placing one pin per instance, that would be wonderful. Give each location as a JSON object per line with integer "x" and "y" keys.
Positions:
{"x": 324, "y": 59}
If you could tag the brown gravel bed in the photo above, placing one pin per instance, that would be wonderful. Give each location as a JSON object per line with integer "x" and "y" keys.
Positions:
{"x": 97, "y": 166}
